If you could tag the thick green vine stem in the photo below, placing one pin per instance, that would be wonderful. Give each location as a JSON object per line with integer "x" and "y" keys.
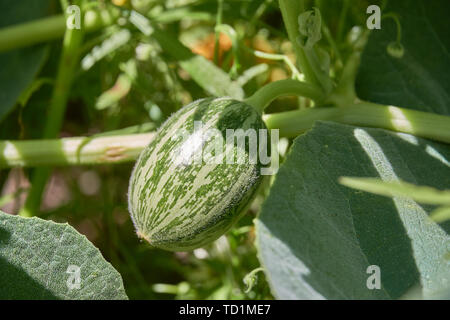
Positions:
{"x": 365, "y": 114}
{"x": 122, "y": 148}
{"x": 73, "y": 151}
{"x": 264, "y": 96}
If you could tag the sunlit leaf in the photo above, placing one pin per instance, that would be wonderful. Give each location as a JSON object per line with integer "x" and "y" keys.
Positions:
{"x": 42, "y": 260}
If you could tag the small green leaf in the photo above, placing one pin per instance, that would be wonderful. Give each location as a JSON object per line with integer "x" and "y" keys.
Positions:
{"x": 45, "y": 260}
{"x": 310, "y": 27}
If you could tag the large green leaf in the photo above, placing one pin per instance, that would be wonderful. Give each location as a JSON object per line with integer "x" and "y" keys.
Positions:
{"x": 421, "y": 78}
{"x": 19, "y": 67}
{"x": 317, "y": 238}
{"x": 36, "y": 258}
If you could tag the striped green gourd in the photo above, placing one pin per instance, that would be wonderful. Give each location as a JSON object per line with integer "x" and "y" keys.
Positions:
{"x": 179, "y": 203}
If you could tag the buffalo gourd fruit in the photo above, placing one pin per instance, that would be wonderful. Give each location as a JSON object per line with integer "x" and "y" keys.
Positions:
{"x": 182, "y": 193}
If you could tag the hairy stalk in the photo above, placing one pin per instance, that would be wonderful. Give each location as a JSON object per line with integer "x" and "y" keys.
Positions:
{"x": 73, "y": 151}
{"x": 344, "y": 94}
{"x": 264, "y": 96}
{"x": 365, "y": 114}
{"x": 67, "y": 65}
{"x": 280, "y": 57}
{"x": 327, "y": 33}
{"x": 231, "y": 33}
{"x": 343, "y": 20}
{"x": 217, "y": 32}
{"x": 33, "y": 32}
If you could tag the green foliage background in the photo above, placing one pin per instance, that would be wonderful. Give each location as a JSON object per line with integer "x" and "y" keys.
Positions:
{"x": 144, "y": 80}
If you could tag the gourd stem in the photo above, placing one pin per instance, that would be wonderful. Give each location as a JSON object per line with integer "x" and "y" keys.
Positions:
{"x": 264, "y": 96}
{"x": 365, "y": 114}
{"x": 73, "y": 151}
